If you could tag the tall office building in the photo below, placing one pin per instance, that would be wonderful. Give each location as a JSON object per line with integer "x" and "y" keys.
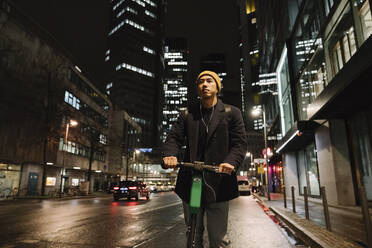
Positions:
{"x": 248, "y": 61}
{"x": 135, "y": 63}
{"x": 175, "y": 85}
{"x": 215, "y": 62}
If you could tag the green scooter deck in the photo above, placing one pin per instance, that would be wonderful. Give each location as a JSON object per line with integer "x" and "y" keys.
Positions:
{"x": 196, "y": 193}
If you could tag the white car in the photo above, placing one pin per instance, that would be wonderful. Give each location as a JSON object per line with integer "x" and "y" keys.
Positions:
{"x": 244, "y": 187}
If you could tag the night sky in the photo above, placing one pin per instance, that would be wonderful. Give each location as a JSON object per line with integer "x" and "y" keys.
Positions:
{"x": 79, "y": 25}
{"x": 82, "y": 26}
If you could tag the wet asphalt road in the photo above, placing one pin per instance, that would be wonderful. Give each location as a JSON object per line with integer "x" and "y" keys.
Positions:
{"x": 97, "y": 222}
{"x": 101, "y": 222}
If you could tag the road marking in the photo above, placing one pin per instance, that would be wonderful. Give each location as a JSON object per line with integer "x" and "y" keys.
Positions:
{"x": 158, "y": 208}
{"x": 30, "y": 241}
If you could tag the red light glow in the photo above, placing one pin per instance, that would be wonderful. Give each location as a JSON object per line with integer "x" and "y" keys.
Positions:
{"x": 133, "y": 187}
{"x": 116, "y": 188}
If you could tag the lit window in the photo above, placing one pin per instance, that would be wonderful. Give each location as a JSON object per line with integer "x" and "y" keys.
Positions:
{"x": 148, "y": 50}
{"x": 150, "y": 14}
{"x": 139, "y": 2}
{"x": 135, "y": 69}
{"x": 72, "y": 100}
{"x": 103, "y": 139}
{"x": 118, "y": 4}
{"x": 128, "y": 9}
{"x": 151, "y": 3}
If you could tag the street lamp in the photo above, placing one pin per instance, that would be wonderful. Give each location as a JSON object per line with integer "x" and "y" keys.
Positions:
{"x": 256, "y": 112}
{"x": 71, "y": 123}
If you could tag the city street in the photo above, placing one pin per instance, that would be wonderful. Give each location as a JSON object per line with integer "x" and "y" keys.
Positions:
{"x": 100, "y": 222}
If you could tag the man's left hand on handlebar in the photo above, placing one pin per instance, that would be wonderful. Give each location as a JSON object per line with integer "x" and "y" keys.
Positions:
{"x": 226, "y": 168}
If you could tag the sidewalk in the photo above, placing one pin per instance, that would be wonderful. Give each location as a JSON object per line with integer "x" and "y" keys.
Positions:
{"x": 346, "y": 222}
{"x": 57, "y": 198}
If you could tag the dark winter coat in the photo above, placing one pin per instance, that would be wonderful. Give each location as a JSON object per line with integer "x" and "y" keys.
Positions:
{"x": 226, "y": 143}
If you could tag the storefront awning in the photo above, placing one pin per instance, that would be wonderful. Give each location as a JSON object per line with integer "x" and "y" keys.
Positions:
{"x": 350, "y": 90}
{"x": 300, "y": 135}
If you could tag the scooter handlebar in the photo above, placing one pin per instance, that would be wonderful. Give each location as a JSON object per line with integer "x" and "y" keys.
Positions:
{"x": 199, "y": 166}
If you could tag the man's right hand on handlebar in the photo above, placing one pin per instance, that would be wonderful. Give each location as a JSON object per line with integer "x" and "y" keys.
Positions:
{"x": 170, "y": 162}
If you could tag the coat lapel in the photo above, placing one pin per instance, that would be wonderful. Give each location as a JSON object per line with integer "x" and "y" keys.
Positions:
{"x": 217, "y": 116}
{"x": 193, "y": 133}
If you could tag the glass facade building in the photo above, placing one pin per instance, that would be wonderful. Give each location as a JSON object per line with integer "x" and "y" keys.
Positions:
{"x": 135, "y": 63}
{"x": 175, "y": 85}
{"x": 319, "y": 56}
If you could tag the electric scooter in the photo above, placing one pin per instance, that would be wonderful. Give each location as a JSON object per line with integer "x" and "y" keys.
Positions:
{"x": 195, "y": 196}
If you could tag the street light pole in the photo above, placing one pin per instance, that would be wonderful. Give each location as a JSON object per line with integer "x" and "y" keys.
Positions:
{"x": 72, "y": 123}
{"x": 266, "y": 155}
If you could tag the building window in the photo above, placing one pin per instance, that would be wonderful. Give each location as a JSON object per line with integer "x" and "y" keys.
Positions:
{"x": 72, "y": 100}
{"x": 127, "y": 9}
{"x": 361, "y": 130}
{"x": 150, "y": 3}
{"x": 148, "y": 50}
{"x": 365, "y": 19}
{"x": 86, "y": 88}
{"x": 139, "y": 2}
{"x": 328, "y": 4}
{"x": 103, "y": 139}
{"x": 341, "y": 44}
{"x": 307, "y": 169}
{"x": 312, "y": 81}
{"x": 150, "y": 14}
{"x": 117, "y": 5}
{"x": 285, "y": 99}
{"x": 135, "y": 69}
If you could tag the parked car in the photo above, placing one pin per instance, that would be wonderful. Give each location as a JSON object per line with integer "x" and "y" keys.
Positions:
{"x": 152, "y": 187}
{"x": 244, "y": 186}
{"x": 131, "y": 189}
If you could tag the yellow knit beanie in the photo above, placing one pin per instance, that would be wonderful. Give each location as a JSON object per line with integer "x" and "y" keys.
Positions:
{"x": 213, "y": 75}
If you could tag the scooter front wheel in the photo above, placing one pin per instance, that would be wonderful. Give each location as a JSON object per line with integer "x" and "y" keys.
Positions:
{"x": 191, "y": 242}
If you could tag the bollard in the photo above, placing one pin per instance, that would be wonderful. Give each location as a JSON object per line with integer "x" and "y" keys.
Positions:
{"x": 306, "y": 203}
{"x": 285, "y": 197}
{"x": 293, "y": 200}
{"x": 366, "y": 216}
{"x": 325, "y": 208}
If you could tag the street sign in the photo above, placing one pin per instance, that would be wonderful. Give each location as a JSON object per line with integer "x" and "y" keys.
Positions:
{"x": 260, "y": 169}
{"x": 259, "y": 161}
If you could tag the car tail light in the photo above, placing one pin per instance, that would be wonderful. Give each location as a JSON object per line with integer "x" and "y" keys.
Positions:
{"x": 133, "y": 187}
{"x": 116, "y": 188}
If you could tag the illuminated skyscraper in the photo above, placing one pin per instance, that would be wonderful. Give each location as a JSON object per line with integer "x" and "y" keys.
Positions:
{"x": 134, "y": 63}
{"x": 175, "y": 86}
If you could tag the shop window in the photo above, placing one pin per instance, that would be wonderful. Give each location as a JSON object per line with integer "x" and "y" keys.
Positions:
{"x": 75, "y": 182}
{"x": 9, "y": 180}
{"x": 307, "y": 168}
{"x": 365, "y": 17}
{"x": 342, "y": 44}
{"x": 284, "y": 91}
{"x": 50, "y": 181}
{"x": 361, "y": 133}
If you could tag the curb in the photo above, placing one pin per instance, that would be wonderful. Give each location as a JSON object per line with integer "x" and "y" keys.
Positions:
{"x": 55, "y": 198}
{"x": 311, "y": 234}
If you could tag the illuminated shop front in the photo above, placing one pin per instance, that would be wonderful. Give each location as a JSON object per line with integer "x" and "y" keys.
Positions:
{"x": 10, "y": 175}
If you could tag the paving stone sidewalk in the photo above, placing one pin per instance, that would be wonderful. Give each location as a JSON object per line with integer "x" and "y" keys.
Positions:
{"x": 346, "y": 222}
